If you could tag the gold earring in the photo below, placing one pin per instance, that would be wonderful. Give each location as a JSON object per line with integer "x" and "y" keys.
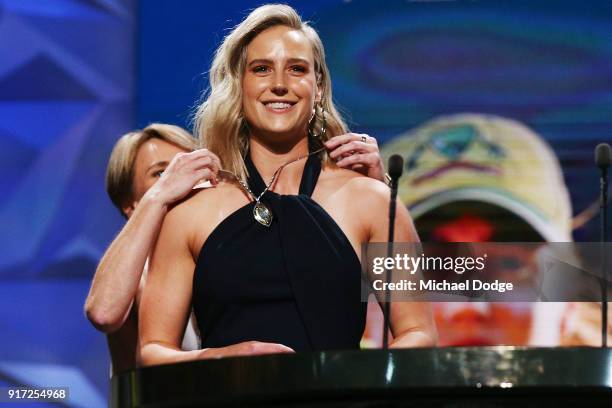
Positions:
{"x": 323, "y": 123}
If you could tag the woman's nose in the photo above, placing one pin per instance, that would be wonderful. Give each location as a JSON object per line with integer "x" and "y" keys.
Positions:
{"x": 279, "y": 87}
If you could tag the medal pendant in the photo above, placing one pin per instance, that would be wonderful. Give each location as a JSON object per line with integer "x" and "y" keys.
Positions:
{"x": 262, "y": 214}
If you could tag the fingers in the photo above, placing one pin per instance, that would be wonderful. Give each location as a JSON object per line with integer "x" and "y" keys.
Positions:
{"x": 206, "y": 153}
{"x": 203, "y": 175}
{"x": 203, "y": 162}
{"x": 192, "y": 163}
{"x": 247, "y": 348}
{"x": 195, "y": 158}
{"x": 256, "y": 347}
{"x": 364, "y": 159}
{"x": 336, "y": 141}
{"x": 357, "y": 152}
{"x": 352, "y": 143}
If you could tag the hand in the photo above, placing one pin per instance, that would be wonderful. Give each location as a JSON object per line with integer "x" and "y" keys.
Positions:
{"x": 184, "y": 171}
{"x": 357, "y": 152}
{"x": 247, "y": 348}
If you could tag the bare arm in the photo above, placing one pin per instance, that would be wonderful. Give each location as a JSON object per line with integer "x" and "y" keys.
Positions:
{"x": 118, "y": 274}
{"x": 166, "y": 298}
{"x": 412, "y": 323}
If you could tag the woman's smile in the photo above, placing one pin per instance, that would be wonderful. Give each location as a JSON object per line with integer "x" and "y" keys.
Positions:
{"x": 279, "y": 106}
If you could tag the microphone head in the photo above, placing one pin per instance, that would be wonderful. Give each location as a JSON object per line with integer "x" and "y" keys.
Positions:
{"x": 396, "y": 166}
{"x": 603, "y": 155}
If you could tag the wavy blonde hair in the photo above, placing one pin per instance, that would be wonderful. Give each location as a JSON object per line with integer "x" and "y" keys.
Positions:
{"x": 220, "y": 124}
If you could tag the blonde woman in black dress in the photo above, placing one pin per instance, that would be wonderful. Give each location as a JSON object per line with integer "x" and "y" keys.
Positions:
{"x": 270, "y": 262}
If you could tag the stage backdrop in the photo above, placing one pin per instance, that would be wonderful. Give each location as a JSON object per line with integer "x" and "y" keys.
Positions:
{"x": 76, "y": 74}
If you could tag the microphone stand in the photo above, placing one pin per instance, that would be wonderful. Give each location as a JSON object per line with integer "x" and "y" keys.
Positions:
{"x": 603, "y": 240}
{"x": 387, "y": 311}
{"x": 603, "y": 157}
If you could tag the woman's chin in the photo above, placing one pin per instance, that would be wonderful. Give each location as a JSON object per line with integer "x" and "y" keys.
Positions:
{"x": 281, "y": 134}
{"x": 281, "y": 142}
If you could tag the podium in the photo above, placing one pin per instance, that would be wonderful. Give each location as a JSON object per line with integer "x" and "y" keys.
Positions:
{"x": 455, "y": 377}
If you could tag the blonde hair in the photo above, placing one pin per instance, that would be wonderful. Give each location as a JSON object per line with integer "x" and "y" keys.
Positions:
{"x": 120, "y": 169}
{"x": 219, "y": 121}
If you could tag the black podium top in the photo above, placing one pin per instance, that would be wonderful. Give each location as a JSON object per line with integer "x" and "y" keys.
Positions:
{"x": 431, "y": 377}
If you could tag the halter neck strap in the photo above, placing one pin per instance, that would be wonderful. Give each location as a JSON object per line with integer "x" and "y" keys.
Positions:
{"x": 310, "y": 175}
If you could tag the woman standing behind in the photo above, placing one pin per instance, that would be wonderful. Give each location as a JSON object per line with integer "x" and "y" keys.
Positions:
{"x": 271, "y": 264}
{"x": 148, "y": 171}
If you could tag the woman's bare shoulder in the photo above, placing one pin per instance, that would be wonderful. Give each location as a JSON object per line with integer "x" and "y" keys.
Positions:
{"x": 352, "y": 183}
{"x": 207, "y": 202}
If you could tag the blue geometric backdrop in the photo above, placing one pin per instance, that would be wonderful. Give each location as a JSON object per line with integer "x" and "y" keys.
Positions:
{"x": 66, "y": 93}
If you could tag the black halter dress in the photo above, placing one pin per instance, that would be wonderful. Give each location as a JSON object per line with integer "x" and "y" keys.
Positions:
{"x": 296, "y": 282}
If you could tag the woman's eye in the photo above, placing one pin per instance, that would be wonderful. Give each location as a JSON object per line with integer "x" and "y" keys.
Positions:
{"x": 298, "y": 68}
{"x": 260, "y": 69}
{"x": 158, "y": 173}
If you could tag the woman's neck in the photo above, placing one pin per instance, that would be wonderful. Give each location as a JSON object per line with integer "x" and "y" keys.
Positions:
{"x": 268, "y": 160}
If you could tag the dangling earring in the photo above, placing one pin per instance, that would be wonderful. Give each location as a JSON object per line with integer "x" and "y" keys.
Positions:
{"x": 323, "y": 123}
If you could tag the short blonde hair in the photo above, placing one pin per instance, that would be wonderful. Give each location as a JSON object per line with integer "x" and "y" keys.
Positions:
{"x": 120, "y": 170}
{"x": 219, "y": 121}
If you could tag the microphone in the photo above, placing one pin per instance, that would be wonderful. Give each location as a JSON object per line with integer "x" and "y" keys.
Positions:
{"x": 603, "y": 157}
{"x": 396, "y": 168}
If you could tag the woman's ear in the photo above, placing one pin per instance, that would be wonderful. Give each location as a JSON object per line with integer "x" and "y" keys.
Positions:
{"x": 128, "y": 210}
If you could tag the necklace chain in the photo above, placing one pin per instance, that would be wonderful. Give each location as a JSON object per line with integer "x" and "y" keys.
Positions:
{"x": 258, "y": 198}
{"x": 261, "y": 213}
